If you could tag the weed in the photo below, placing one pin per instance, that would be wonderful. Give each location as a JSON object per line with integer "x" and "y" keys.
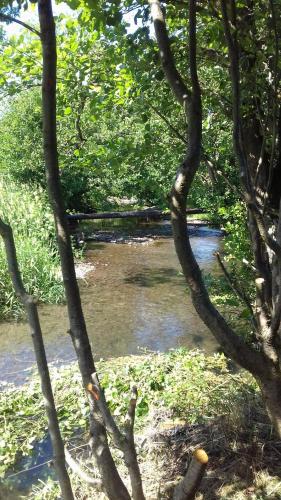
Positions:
{"x": 29, "y": 215}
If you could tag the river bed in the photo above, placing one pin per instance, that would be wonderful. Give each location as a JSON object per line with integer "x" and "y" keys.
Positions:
{"x": 134, "y": 298}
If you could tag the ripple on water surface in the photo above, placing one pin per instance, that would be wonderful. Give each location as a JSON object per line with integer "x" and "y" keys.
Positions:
{"x": 134, "y": 298}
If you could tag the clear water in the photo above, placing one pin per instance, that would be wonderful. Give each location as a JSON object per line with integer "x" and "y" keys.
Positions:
{"x": 134, "y": 299}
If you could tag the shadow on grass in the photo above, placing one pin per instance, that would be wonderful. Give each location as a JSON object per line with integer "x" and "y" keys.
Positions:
{"x": 244, "y": 454}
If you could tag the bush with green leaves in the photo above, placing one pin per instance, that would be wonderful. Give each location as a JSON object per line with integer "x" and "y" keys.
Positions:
{"x": 29, "y": 215}
{"x": 119, "y": 131}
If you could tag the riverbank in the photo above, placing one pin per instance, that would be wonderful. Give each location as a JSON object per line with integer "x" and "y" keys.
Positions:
{"x": 144, "y": 232}
{"x": 186, "y": 399}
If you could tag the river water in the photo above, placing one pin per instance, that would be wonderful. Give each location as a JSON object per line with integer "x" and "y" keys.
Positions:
{"x": 134, "y": 298}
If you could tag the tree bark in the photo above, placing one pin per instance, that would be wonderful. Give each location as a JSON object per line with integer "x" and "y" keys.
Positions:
{"x": 271, "y": 393}
{"x": 35, "y": 329}
{"x": 112, "y": 482}
{"x": 233, "y": 345}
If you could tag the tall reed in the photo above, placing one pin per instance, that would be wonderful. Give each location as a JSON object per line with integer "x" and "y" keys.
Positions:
{"x": 27, "y": 211}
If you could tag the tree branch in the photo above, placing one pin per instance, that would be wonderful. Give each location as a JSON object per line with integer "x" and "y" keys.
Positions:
{"x": 124, "y": 442}
{"x": 130, "y": 417}
{"x": 258, "y": 231}
{"x": 78, "y": 119}
{"x": 76, "y": 468}
{"x": 211, "y": 165}
{"x": 233, "y": 51}
{"x": 275, "y": 96}
{"x": 174, "y": 78}
{"x": 174, "y": 130}
{"x": 236, "y": 289}
{"x": 6, "y": 17}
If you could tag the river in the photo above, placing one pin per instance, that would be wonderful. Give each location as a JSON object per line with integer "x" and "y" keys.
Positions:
{"x": 134, "y": 298}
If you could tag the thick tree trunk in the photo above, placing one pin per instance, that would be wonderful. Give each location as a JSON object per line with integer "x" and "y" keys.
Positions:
{"x": 271, "y": 393}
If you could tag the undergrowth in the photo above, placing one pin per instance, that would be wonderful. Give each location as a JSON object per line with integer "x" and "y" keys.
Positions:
{"x": 180, "y": 386}
{"x": 29, "y": 215}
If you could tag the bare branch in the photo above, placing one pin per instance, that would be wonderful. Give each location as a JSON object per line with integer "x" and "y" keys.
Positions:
{"x": 130, "y": 417}
{"x": 98, "y": 394}
{"x": 123, "y": 442}
{"x": 40, "y": 355}
{"x": 78, "y": 119}
{"x": 211, "y": 165}
{"x": 236, "y": 288}
{"x": 249, "y": 265}
{"x": 6, "y": 17}
{"x": 174, "y": 130}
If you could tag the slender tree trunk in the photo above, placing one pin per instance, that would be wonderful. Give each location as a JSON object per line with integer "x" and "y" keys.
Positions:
{"x": 112, "y": 482}
{"x": 40, "y": 355}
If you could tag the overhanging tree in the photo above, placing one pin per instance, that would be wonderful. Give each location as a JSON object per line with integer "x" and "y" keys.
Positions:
{"x": 256, "y": 141}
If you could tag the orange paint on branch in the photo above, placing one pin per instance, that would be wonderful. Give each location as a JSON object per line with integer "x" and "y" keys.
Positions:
{"x": 93, "y": 391}
{"x": 201, "y": 456}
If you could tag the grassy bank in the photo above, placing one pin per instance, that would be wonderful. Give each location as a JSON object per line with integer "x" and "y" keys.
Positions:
{"x": 27, "y": 211}
{"x": 185, "y": 400}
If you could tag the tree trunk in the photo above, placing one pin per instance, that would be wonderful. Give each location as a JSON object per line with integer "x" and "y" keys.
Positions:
{"x": 39, "y": 349}
{"x": 151, "y": 213}
{"x": 112, "y": 482}
{"x": 271, "y": 393}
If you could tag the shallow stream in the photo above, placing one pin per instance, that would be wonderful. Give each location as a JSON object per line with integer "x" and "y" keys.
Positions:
{"x": 134, "y": 298}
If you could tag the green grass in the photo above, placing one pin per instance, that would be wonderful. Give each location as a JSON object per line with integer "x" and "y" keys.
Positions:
{"x": 189, "y": 385}
{"x": 210, "y": 404}
{"x": 28, "y": 213}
